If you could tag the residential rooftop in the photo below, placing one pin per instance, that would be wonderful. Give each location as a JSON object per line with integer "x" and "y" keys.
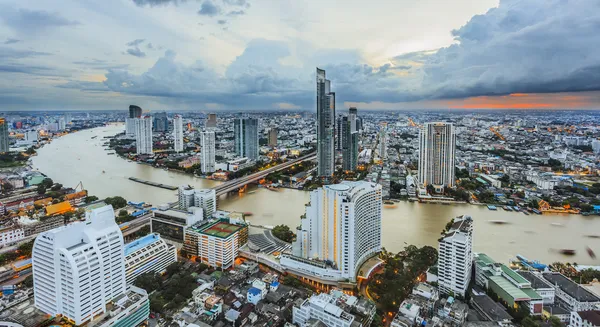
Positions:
{"x": 536, "y": 281}
{"x": 141, "y": 243}
{"x": 570, "y": 287}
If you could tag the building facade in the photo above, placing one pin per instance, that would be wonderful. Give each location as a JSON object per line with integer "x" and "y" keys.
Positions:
{"x": 350, "y": 140}
{"x": 437, "y": 150}
{"x": 79, "y": 268}
{"x": 273, "y": 137}
{"x": 178, "y": 133}
{"x": 135, "y": 111}
{"x": 341, "y": 228}
{"x": 216, "y": 243}
{"x": 455, "y": 257}
{"x": 207, "y": 200}
{"x": 207, "y": 142}
{"x": 585, "y": 318}
{"x": 321, "y": 307}
{"x": 148, "y": 254}
{"x": 161, "y": 122}
{"x": 211, "y": 121}
{"x": 246, "y": 137}
{"x": 4, "y": 141}
{"x": 11, "y": 235}
{"x": 143, "y": 135}
{"x": 325, "y": 126}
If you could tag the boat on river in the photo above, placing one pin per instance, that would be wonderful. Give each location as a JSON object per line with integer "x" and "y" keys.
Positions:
{"x": 491, "y": 207}
{"x": 498, "y": 222}
{"x": 567, "y": 251}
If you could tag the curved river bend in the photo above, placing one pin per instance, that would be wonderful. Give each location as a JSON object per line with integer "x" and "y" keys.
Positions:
{"x": 78, "y": 158}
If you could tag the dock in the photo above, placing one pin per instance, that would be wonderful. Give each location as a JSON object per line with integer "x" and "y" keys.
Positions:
{"x": 165, "y": 186}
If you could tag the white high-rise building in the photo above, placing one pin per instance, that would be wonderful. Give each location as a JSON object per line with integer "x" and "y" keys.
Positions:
{"x": 130, "y": 126}
{"x": 437, "y": 150}
{"x": 342, "y": 228}
{"x": 207, "y": 200}
{"x": 143, "y": 135}
{"x": 456, "y": 257}
{"x": 78, "y": 268}
{"x": 178, "y": 133}
{"x": 207, "y": 142}
{"x": 185, "y": 197}
{"x": 148, "y": 254}
{"x": 62, "y": 124}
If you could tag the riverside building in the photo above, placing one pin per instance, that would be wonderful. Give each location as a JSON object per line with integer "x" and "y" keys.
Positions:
{"x": 455, "y": 257}
{"x": 148, "y": 254}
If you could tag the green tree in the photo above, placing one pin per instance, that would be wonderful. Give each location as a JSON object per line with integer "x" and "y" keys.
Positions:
{"x": 91, "y": 198}
{"x": 283, "y": 233}
{"x": 122, "y": 212}
{"x": 28, "y": 281}
{"x": 149, "y": 281}
{"x": 116, "y": 201}
{"x": 555, "y": 322}
{"x": 529, "y": 322}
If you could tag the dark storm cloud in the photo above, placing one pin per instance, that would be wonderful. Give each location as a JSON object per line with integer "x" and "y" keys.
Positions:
{"x": 221, "y": 22}
{"x": 153, "y": 3}
{"x": 136, "y": 52}
{"x": 135, "y": 43}
{"x": 11, "y": 41}
{"x": 26, "y": 20}
{"x": 208, "y": 8}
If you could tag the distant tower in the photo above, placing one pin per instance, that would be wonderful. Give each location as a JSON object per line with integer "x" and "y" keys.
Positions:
{"x": 246, "y": 137}
{"x": 143, "y": 135}
{"x": 325, "y": 126}
{"x": 178, "y": 133}
{"x": 211, "y": 122}
{"x": 383, "y": 143}
{"x": 135, "y": 111}
{"x": 273, "y": 137}
{"x": 350, "y": 140}
{"x": 207, "y": 142}
{"x": 161, "y": 122}
{"x": 437, "y": 149}
{"x": 4, "y": 144}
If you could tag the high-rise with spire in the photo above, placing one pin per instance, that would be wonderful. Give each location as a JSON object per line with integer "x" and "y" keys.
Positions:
{"x": 325, "y": 126}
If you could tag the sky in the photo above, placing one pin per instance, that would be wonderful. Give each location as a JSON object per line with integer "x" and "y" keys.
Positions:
{"x": 262, "y": 54}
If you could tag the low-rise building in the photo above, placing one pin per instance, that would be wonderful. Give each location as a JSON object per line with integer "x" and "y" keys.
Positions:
{"x": 11, "y": 235}
{"x": 571, "y": 295}
{"x": 217, "y": 242}
{"x": 171, "y": 223}
{"x": 148, "y": 254}
{"x": 128, "y": 309}
{"x": 540, "y": 286}
{"x": 321, "y": 307}
{"x": 585, "y": 318}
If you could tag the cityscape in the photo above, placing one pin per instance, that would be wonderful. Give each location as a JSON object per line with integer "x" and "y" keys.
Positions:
{"x": 433, "y": 189}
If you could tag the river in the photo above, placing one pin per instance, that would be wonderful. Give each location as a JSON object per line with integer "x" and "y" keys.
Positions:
{"x": 78, "y": 158}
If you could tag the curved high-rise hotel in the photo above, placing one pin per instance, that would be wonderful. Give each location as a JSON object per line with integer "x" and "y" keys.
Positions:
{"x": 341, "y": 229}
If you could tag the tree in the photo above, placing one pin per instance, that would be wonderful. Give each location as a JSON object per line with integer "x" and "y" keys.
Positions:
{"x": 91, "y": 198}
{"x": 47, "y": 182}
{"x": 172, "y": 269}
{"x": 430, "y": 189}
{"x": 555, "y": 322}
{"x": 41, "y": 189}
{"x": 283, "y": 233}
{"x": 56, "y": 187}
{"x": 149, "y": 281}
{"x": 116, "y": 201}
{"x": 529, "y": 322}
{"x": 28, "y": 281}
{"x": 122, "y": 212}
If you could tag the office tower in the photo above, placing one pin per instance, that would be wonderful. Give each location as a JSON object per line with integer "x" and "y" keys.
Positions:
{"x": 246, "y": 137}
{"x": 207, "y": 200}
{"x": 62, "y": 124}
{"x": 79, "y": 268}
{"x": 161, "y": 122}
{"x": 135, "y": 111}
{"x": 143, "y": 135}
{"x": 455, "y": 257}
{"x": 148, "y": 254}
{"x": 325, "y": 126}
{"x": 342, "y": 226}
{"x": 178, "y": 133}
{"x": 4, "y": 142}
{"x": 211, "y": 121}
{"x": 349, "y": 140}
{"x": 185, "y": 196}
{"x": 273, "y": 137}
{"x": 383, "y": 143}
{"x": 207, "y": 142}
{"x": 339, "y": 136}
{"x": 437, "y": 148}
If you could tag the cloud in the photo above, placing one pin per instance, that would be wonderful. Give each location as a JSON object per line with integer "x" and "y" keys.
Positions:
{"x": 7, "y": 52}
{"x": 240, "y": 3}
{"x": 136, "y": 52}
{"x": 26, "y": 20}
{"x": 208, "y": 8}
{"x": 11, "y": 41}
{"x": 135, "y": 42}
{"x": 153, "y": 3}
{"x": 30, "y": 69}
{"x": 85, "y": 86}
{"x": 100, "y": 64}
{"x": 286, "y": 105}
{"x": 234, "y": 13}
{"x": 150, "y": 46}
{"x": 221, "y": 22}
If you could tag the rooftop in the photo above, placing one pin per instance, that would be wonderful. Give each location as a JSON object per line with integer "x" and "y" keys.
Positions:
{"x": 570, "y": 287}
{"x": 141, "y": 243}
{"x": 513, "y": 291}
{"x": 491, "y": 308}
{"x": 536, "y": 282}
{"x": 220, "y": 229}
{"x": 591, "y": 316}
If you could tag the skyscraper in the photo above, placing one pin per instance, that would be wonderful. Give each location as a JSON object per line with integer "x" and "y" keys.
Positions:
{"x": 135, "y": 111}
{"x": 437, "y": 148}
{"x": 342, "y": 226}
{"x": 143, "y": 135}
{"x": 339, "y": 136}
{"x": 78, "y": 268}
{"x": 177, "y": 133}
{"x": 349, "y": 140}
{"x": 383, "y": 143}
{"x": 455, "y": 257}
{"x": 161, "y": 122}
{"x": 4, "y": 143}
{"x": 325, "y": 126}
{"x": 273, "y": 137}
{"x": 246, "y": 137}
{"x": 207, "y": 142}
{"x": 211, "y": 121}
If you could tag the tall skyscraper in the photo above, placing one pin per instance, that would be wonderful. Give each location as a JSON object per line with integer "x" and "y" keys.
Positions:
{"x": 246, "y": 137}
{"x": 207, "y": 142}
{"x": 325, "y": 126}
{"x": 178, "y": 133}
{"x": 143, "y": 135}
{"x": 339, "y": 136}
{"x": 342, "y": 225}
{"x": 4, "y": 142}
{"x": 349, "y": 140}
{"x": 273, "y": 137}
{"x": 135, "y": 111}
{"x": 455, "y": 257}
{"x": 79, "y": 268}
{"x": 437, "y": 149}
{"x": 161, "y": 122}
{"x": 211, "y": 121}
{"x": 383, "y": 143}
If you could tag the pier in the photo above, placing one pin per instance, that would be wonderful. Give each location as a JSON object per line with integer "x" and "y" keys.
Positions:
{"x": 165, "y": 186}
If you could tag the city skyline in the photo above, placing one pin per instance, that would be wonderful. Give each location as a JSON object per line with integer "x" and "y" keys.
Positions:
{"x": 431, "y": 55}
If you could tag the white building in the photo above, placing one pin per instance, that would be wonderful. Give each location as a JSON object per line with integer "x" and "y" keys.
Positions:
{"x": 148, "y": 254}
{"x": 131, "y": 308}
{"x": 585, "y": 319}
{"x": 178, "y": 133}
{"x": 11, "y": 235}
{"x": 455, "y": 257}
{"x": 130, "y": 126}
{"x": 342, "y": 228}
{"x": 143, "y": 135}
{"x": 216, "y": 243}
{"x": 571, "y": 295}
{"x": 207, "y": 200}
{"x": 185, "y": 197}
{"x": 79, "y": 268}
{"x": 437, "y": 149}
{"x": 321, "y": 307}
{"x": 207, "y": 142}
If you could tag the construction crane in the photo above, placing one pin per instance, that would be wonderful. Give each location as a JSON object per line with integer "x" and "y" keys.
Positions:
{"x": 497, "y": 133}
